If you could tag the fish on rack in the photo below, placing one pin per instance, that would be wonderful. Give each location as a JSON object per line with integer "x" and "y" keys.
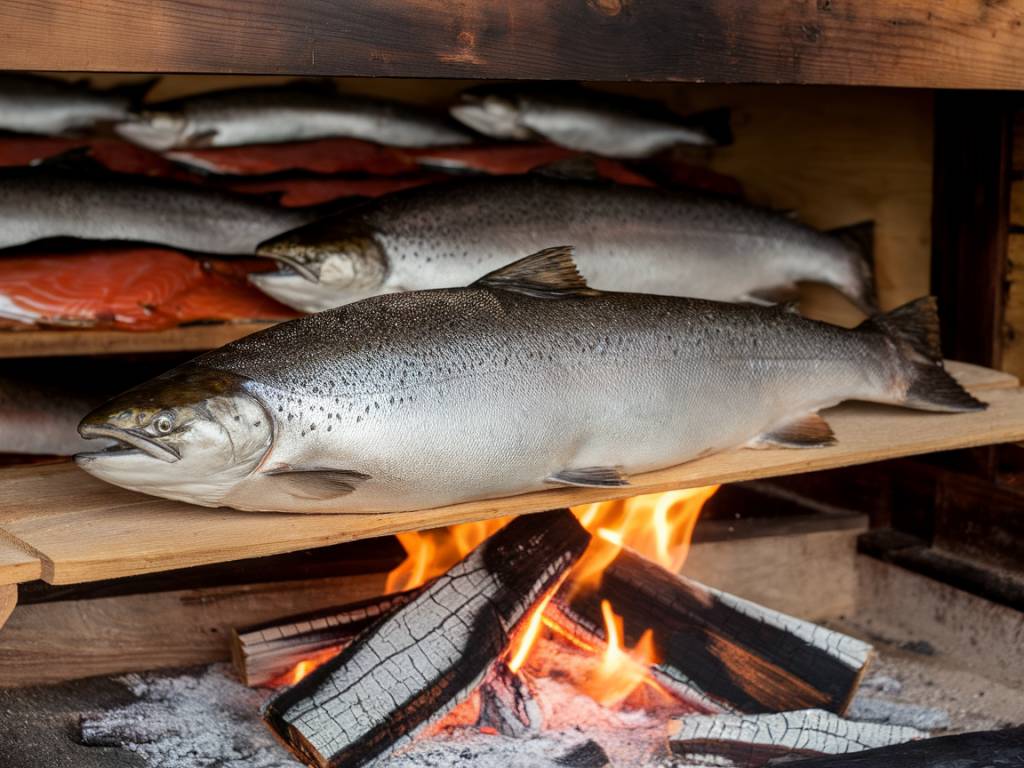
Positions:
{"x": 294, "y": 112}
{"x": 587, "y": 121}
{"x": 77, "y": 198}
{"x": 627, "y": 238}
{"x": 39, "y": 415}
{"x": 48, "y": 106}
{"x": 527, "y": 379}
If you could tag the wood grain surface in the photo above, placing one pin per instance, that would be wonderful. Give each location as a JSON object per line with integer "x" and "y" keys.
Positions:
{"x": 85, "y": 529}
{"x": 8, "y": 599}
{"x": 51, "y": 343}
{"x": 962, "y": 44}
{"x": 17, "y": 565}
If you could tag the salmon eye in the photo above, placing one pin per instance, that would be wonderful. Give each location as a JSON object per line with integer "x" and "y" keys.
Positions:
{"x": 163, "y": 423}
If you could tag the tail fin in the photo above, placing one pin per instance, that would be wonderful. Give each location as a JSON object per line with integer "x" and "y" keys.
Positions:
{"x": 716, "y": 124}
{"x": 915, "y": 329}
{"x": 860, "y": 239}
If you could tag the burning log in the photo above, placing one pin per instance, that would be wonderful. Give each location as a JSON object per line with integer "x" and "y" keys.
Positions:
{"x": 717, "y": 650}
{"x": 751, "y": 741}
{"x": 408, "y": 670}
{"x": 507, "y": 704}
{"x": 983, "y": 749}
{"x": 267, "y": 652}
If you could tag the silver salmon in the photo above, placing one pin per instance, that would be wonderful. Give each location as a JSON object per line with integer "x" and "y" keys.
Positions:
{"x": 626, "y": 238}
{"x": 46, "y": 106}
{"x": 53, "y": 201}
{"x": 587, "y": 121}
{"x": 527, "y": 379}
{"x": 287, "y": 113}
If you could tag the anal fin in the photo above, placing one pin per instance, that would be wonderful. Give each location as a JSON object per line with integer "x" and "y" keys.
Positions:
{"x": 809, "y": 431}
{"x": 316, "y": 482}
{"x": 591, "y": 477}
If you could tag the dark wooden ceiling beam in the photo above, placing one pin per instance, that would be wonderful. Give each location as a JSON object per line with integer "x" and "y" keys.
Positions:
{"x": 975, "y": 44}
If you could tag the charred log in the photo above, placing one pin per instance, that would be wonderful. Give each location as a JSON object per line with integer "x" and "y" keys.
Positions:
{"x": 751, "y": 741}
{"x": 264, "y": 653}
{"x": 984, "y": 749}
{"x": 410, "y": 669}
{"x": 717, "y": 650}
{"x": 507, "y": 704}
{"x": 589, "y": 754}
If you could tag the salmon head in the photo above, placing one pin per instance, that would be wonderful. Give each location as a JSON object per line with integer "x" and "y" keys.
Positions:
{"x": 324, "y": 264}
{"x": 191, "y": 434}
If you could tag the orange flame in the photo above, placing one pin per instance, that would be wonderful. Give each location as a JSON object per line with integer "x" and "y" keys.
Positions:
{"x": 431, "y": 553}
{"x": 304, "y": 667}
{"x": 621, "y": 672}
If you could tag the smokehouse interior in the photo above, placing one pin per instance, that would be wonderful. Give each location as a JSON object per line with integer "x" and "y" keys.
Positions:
{"x": 602, "y": 383}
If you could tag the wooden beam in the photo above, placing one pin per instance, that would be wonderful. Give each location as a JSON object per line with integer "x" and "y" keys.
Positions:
{"x": 970, "y": 219}
{"x": 410, "y": 669}
{"x": 8, "y": 599}
{"x": 752, "y": 741}
{"x": 52, "y": 343}
{"x": 49, "y": 642}
{"x": 870, "y": 42}
{"x": 84, "y": 529}
{"x": 717, "y": 650}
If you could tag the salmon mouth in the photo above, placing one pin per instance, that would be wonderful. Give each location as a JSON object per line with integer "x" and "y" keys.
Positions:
{"x": 127, "y": 442}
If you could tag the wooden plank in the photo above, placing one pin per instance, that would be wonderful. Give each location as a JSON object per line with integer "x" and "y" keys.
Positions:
{"x": 85, "y": 529}
{"x": 51, "y": 343}
{"x": 17, "y": 565}
{"x": 914, "y": 43}
{"x": 70, "y": 639}
{"x": 973, "y": 146}
{"x": 8, "y": 599}
{"x": 1013, "y": 319}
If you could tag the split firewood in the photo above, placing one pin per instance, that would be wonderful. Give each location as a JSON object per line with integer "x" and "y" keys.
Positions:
{"x": 983, "y": 749}
{"x": 751, "y": 741}
{"x": 589, "y": 754}
{"x": 408, "y": 670}
{"x": 507, "y": 704}
{"x": 264, "y": 653}
{"x": 716, "y": 650}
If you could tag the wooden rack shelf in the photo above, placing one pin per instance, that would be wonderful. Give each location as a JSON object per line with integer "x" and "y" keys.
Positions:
{"x": 53, "y": 343}
{"x": 71, "y": 527}
{"x": 872, "y": 42}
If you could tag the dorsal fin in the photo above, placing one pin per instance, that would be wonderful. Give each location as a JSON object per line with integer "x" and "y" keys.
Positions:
{"x": 547, "y": 274}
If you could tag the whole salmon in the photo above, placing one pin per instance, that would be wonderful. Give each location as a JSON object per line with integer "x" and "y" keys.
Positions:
{"x": 524, "y": 380}
{"x": 627, "y": 239}
{"x": 70, "y": 198}
{"x": 296, "y": 112}
{"x": 587, "y": 121}
{"x": 47, "y": 106}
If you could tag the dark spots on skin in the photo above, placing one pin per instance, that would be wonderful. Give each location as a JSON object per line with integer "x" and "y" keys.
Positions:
{"x": 257, "y": 423}
{"x": 358, "y": 419}
{"x": 312, "y": 427}
{"x": 291, "y": 416}
{"x": 238, "y": 418}
{"x": 328, "y": 427}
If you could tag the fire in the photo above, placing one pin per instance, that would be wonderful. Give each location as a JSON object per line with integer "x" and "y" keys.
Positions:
{"x": 431, "y": 553}
{"x": 658, "y": 526}
{"x": 304, "y": 667}
{"x": 622, "y": 671}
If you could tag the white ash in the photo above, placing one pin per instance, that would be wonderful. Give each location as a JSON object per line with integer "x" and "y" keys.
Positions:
{"x": 874, "y": 710}
{"x": 194, "y": 720}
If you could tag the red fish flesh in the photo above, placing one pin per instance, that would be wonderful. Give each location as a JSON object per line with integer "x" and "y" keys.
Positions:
{"x": 138, "y": 289}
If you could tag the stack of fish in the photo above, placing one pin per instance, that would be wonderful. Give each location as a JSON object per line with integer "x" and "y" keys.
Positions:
{"x": 405, "y": 397}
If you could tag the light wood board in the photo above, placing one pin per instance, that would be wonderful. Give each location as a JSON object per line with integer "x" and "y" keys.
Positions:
{"x": 8, "y": 599}
{"x": 17, "y": 565}
{"x": 52, "y": 343}
{"x": 85, "y": 529}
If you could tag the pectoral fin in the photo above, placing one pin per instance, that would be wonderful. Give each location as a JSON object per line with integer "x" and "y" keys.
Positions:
{"x": 809, "y": 431}
{"x": 591, "y": 477}
{"x": 316, "y": 482}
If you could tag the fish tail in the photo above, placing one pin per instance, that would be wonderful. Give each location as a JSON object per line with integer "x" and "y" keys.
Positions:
{"x": 860, "y": 240}
{"x": 915, "y": 329}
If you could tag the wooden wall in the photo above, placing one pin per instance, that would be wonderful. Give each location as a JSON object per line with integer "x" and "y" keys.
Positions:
{"x": 1013, "y": 329}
